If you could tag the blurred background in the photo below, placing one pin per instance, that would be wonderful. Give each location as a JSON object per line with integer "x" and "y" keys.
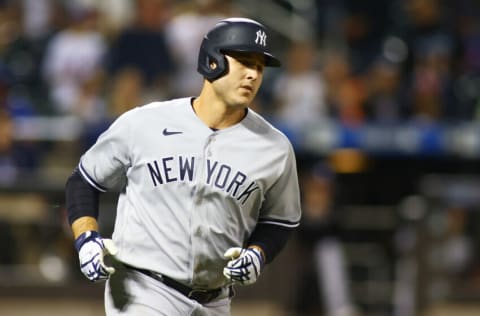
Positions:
{"x": 380, "y": 98}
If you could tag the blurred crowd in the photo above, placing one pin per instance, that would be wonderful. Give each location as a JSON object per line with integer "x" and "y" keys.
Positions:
{"x": 364, "y": 61}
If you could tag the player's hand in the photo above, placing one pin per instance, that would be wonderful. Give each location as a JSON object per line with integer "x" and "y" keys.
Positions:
{"x": 245, "y": 265}
{"x": 91, "y": 251}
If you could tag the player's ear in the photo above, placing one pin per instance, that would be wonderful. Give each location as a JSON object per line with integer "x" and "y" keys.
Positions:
{"x": 213, "y": 65}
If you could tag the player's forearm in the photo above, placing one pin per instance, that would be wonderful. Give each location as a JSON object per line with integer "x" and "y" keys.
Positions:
{"x": 83, "y": 224}
{"x": 81, "y": 199}
{"x": 270, "y": 239}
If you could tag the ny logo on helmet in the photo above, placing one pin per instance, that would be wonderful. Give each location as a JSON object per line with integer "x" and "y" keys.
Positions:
{"x": 261, "y": 38}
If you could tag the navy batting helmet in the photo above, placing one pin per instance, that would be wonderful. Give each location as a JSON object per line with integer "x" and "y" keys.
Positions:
{"x": 233, "y": 34}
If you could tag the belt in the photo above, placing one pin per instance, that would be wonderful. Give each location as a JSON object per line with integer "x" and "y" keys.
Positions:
{"x": 199, "y": 295}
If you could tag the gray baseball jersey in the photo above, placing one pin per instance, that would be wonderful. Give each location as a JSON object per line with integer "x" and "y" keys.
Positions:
{"x": 189, "y": 193}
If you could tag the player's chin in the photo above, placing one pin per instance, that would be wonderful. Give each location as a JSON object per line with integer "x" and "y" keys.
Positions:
{"x": 243, "y": 104}
{"x": 245, "y": 99}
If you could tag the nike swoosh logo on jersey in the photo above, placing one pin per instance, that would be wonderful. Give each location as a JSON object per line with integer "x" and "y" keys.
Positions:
{"x": 168, "y": 133}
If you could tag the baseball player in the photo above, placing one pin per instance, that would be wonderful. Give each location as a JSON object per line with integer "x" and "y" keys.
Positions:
{"x": 208, "y": 189}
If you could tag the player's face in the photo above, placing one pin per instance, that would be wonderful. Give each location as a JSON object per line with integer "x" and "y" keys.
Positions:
{"x": 240, "y": 85}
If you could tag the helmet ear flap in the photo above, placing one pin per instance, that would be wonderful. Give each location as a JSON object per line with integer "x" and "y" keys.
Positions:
{"x": 209, "y": 56}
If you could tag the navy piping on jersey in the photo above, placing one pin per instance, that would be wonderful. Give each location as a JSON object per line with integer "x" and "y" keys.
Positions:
{"x": 283, "y": 223}
{"x": 90, "y": 180}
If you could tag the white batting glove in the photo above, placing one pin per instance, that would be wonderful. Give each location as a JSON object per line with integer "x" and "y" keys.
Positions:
{"x": 91, "y": 250}
{"x": 245, "y": 265}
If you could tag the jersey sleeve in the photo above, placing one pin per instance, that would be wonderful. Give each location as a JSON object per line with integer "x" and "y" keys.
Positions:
{"x": 104, "y": 165}
{"x": 282, "y": 202}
